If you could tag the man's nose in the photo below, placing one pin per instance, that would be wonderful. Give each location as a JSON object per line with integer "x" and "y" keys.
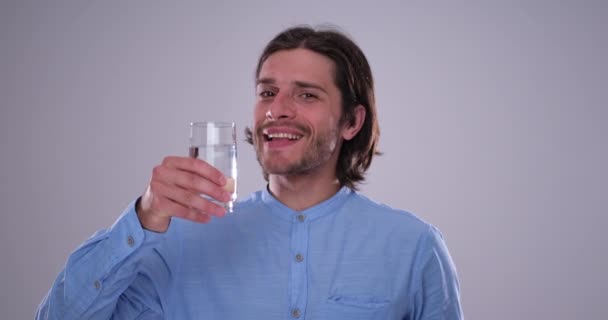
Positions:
{"x": 282, "y": 107}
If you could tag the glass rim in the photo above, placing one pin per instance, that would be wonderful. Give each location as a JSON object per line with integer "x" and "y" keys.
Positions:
{"x": 217, "y": 124}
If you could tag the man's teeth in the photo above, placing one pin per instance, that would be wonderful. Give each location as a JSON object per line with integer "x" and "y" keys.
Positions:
{"x": 283, "y": 136}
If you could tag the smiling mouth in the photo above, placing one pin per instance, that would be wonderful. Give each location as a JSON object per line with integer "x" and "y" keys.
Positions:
{"x": 281, "y": 135}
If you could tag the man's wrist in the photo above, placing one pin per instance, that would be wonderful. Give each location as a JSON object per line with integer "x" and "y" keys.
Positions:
{"x": 151, "y": 222}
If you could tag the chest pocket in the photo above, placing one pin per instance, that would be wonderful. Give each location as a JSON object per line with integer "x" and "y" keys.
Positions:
{"x": 355, "y": 307}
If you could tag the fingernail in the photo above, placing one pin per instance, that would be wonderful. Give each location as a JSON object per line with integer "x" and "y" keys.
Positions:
{"x": 226, "y": 196}
{"x": 220, "y": 212}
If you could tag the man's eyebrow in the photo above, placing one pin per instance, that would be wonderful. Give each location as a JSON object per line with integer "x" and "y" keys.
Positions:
{"x": 300, "y": 84}
{"x": 304, "y": 84}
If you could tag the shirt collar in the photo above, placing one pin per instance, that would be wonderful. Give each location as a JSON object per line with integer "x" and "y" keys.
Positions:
{"x": 324, "y": 208}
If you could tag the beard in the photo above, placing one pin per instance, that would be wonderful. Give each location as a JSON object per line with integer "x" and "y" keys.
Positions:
{"x": 314, "y": 156}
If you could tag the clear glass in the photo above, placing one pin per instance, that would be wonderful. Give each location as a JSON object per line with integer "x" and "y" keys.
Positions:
{"x": 215, "y": 143}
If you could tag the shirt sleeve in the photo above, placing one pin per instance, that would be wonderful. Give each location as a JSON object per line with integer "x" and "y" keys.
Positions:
{"x": 437, "y": 290}
{"x": 109, "y": 275}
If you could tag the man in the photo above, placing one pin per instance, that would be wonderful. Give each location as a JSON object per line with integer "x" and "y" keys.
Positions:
{"x": 308, "y": 246}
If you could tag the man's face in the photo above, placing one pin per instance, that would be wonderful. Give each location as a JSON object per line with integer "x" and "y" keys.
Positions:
{"x": 297, "y": 114}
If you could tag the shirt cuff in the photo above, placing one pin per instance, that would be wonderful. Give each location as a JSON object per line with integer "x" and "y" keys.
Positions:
{"x": 127, "y": 235}
{"x": 93, "y": 266}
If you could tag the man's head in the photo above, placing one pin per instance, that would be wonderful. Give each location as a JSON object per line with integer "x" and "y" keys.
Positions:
{"x": 315, "y": 90}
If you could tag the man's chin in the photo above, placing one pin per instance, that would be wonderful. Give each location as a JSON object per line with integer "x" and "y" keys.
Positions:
{"x": 283, "y": 166}
{"x": 278, "y": 171}
{"x": 283, "y": 169}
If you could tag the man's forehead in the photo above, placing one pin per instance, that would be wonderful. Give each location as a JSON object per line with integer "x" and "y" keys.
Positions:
{"x": 300, "y": 67}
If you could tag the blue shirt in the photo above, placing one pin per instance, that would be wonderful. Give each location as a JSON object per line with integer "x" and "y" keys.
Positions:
{"x": 345, "y": 258}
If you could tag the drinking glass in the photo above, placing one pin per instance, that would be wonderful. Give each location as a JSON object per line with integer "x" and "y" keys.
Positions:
{"x": 215, "y": 143}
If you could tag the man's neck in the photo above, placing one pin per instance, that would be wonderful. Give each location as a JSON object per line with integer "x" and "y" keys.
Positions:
{"x": 302, "y": 191}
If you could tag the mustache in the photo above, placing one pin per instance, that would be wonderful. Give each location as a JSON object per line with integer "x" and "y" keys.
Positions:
{"x": 289, "y": 124}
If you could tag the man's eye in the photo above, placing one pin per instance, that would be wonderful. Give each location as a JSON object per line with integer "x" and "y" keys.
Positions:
{"x": 307, "y": 95}
{"x": 266, "y": 94}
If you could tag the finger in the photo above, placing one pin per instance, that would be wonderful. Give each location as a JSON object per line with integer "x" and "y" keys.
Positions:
{"x": 190, "y": 181}
{"x": 193, "y": 215}
{"x": 188, "y": 200}
{"x": 179, "y": 211}
{"x": 197, "y": 166}
{"x": 171, "y": 208}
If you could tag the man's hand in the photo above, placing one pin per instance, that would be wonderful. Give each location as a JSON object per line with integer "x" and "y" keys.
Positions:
{"x": 175, "y": 189}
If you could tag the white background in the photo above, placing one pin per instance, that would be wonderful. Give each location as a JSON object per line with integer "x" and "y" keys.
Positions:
{"x": 493, "y": 118}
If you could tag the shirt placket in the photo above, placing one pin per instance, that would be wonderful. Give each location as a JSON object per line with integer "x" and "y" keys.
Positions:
{"x": 299, "y": 268}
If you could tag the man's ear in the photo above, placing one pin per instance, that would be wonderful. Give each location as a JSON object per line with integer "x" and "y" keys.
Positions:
{"x": 354, "y": 125}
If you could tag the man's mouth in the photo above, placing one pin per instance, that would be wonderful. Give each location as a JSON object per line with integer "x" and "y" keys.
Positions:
{"x": 281, "y": 135}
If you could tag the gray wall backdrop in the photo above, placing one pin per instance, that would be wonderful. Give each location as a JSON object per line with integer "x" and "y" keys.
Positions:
{"x": 493, "y": 118}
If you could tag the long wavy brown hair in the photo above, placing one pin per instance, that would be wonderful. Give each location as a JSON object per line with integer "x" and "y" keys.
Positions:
{"x": 353, "y": 77}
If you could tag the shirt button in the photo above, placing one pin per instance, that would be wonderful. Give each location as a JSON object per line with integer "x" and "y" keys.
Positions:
{"x": 301, "y": 217}
{"x": 130, "y": 241}
{"x": 296, "y": 313}
{"x": 97, "y": 284}
{"x": 299, "y": 257}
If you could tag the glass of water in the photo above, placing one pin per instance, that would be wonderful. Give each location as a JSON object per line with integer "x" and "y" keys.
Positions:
{"x": 215, "y": 143}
